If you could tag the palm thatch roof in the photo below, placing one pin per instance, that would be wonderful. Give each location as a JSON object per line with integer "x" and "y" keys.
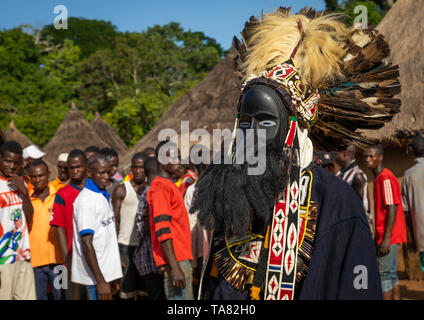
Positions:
{"x": 402, "y": 28}
{"x": 211, "y": 104}
{"x": 75, "y": 132}
{"x": 109, "y": 135}
{"x": 14, "y": 134}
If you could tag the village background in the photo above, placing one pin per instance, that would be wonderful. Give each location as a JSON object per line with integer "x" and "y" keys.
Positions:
{"x": 94, "y": 85}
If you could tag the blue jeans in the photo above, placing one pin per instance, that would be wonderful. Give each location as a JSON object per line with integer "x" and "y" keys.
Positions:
{"x": 91, "y": 292}
{"x": 173, "y": 293}
{"x": 388, "y": 269}
{"x": 42, "y": 276}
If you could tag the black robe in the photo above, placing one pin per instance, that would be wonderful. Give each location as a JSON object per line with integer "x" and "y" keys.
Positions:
{"x": 343, "y": 263}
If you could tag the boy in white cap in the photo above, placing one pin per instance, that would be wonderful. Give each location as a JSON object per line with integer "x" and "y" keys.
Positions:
{"x": 29, "y": 154}
{"x": 62, "y": 172}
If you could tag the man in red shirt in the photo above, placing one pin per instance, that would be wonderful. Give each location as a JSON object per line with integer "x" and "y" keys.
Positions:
{"x": 390, "y": 227}
{"x": 63, "y": 209}
{"x": 169, "y": 228}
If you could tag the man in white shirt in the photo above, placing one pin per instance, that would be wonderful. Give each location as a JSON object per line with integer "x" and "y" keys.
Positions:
{"x": 96, "y": 262}
{"x": 16, "y": 212}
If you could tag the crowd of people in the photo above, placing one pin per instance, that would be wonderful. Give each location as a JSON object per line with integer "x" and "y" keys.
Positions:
{"x": 86, "y": 234}
{"x": 91, "y": 233}
{"x": 396, "y": 207}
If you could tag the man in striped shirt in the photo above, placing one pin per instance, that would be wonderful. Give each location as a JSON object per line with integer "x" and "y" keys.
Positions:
{"x": 390, "y": 227}
{"x": 357, "y": 179}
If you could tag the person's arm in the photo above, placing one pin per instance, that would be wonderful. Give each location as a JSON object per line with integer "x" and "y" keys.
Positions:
{"x": 390, "y": 223}
{"x": 58, "y": 222}
{"x": 18, "y": 182}
{"x": 358, "y": 185}
{"x": 408, "y": 214}
{"x": 410, "y": 226}
{"x": 176, "y": 274}
{"x": 62, "y": 239}
{"x": 104, "y": 290}
{"x": 118, "y": 196}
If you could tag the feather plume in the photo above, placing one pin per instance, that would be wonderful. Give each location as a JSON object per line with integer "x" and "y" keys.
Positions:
{"x": 348, "y": 66}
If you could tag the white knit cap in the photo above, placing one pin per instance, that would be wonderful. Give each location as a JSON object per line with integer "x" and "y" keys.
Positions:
{"x": 33, "y": 152}
{"x": 62, "y": 157}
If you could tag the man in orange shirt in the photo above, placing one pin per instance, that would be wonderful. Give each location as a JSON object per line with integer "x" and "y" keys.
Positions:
{"x": 62, "y": 172}
{"x": 170, "y": 228}
{"x": 42, "y": 237}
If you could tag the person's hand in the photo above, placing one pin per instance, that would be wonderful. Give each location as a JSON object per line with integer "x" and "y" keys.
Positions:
{"x": 104, "y": 291}
{"x": 385, "y": 247}
{"x": 114, "y": 287}
{"x": 177, "y": 277}
{"x": 195, "y": 280}
{"x": 19, "y": 184}
{"x": 123, "y": 264}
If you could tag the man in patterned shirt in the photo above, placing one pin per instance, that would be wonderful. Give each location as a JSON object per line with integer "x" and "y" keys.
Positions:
{"x": 16, "y": 212}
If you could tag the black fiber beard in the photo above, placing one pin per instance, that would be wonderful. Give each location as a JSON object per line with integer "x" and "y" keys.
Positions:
{"x": 225, "y": 193}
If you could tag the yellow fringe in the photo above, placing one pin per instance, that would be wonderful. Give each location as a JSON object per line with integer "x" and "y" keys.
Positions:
{"x": 254, "y": 292}
{"x": 266, "y": 243}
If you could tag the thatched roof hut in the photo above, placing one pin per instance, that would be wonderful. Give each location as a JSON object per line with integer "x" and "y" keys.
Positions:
{"x": 109, "y": 135}
{"x": 75, "y": 132}
{"x": 14, "y": 134}
{"x": 402, "y": 28}
{"x": 211, "y": 104}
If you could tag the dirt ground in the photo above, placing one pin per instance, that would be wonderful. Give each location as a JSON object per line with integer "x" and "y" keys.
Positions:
{"x": 409, "y": 289}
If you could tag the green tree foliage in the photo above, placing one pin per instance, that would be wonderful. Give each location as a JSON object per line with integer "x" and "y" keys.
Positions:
{"x": 377, "y": 9}
{"x": 33, "y": 91}
{"x": 332, "y": 5}
{"x": 89, "y": 35}
{"x": 142, "y": 75}
{"x": 139, "y": 113}
{"x": 373, "y": 12}
{"x": 129, "y": 78}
